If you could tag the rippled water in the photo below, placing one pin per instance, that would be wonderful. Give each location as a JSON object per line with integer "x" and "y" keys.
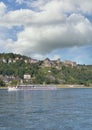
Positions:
{"x": 64, "y": 109}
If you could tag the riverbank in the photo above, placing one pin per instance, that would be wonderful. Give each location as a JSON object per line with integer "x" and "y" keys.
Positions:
{"x": 61, "y": 86}
{"x": 72, "y": 86}
{"x": 3, "y": 87}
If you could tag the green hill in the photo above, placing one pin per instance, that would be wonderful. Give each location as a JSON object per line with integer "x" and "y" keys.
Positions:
{"x": 15, "y": 68}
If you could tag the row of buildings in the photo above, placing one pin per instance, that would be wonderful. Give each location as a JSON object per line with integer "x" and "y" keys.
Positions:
{"x": 8, "y": 78}
{"x": 14, "y": 60}
{"x": 57, "y": 63}
{"x": 47, "y": 62}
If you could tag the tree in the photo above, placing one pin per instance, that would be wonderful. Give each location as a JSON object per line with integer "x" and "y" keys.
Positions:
{"x": 2, "y": 83}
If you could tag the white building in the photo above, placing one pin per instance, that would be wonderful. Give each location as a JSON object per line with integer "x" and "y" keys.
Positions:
{"x": 27, "y": 76}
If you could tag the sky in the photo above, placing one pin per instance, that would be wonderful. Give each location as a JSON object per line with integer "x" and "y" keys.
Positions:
{"x": 47, "y": 28}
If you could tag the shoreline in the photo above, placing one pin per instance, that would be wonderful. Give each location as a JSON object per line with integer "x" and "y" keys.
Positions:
{"x": 72, "y": 86}
{"x": 3, "y": 87}
{"x": 61, "y": 86}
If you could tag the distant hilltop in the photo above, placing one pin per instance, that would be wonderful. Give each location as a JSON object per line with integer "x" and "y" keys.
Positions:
{"x": 13, "y": 58}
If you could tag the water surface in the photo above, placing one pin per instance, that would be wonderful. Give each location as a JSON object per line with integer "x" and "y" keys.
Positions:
{"x": 63, "y": 109}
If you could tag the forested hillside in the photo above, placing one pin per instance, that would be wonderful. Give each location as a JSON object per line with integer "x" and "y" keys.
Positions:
{"x": 13, "y": 67}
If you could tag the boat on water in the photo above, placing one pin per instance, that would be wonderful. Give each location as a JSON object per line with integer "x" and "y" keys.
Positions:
{"x": 31, "y": 87}
{"x": 14, "y": 88}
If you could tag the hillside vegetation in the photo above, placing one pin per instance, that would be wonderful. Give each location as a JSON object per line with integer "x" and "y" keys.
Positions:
{"x": 13, "y": 67}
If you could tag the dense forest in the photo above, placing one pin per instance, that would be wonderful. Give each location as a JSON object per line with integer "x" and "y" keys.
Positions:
{"x": 80, "y": 74}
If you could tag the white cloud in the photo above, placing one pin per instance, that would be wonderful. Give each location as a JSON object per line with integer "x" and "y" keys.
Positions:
{"x": 19, "y": 1}
{"x": 58, "y": 24}
{"x": 2, "y": 8}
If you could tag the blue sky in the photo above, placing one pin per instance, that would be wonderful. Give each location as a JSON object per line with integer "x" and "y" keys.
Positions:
{"x": 47, "y": 28}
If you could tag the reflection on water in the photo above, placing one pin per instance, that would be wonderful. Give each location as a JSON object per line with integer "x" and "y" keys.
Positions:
{"x": 64, "y": 109}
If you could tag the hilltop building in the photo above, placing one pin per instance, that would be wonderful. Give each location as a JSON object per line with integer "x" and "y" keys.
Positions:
{"x": 70, "y": 63}
{"x": 47, "y": 62}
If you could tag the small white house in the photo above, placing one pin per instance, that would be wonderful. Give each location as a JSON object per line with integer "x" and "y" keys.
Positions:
{"x": 27, "y": 76}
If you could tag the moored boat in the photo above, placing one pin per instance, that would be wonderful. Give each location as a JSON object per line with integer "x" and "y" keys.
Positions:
{"x": 31, "y": 87}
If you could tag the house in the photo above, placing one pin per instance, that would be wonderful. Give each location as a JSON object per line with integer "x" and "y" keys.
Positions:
{"x": 26, "y": 61}
{"x": 33, "y": 61}
{"x": 71, "y": 63}
{"x": 47, "y": 62}
{"x": 7, "y": 79}
{"x": 17, "y": 58}
{"x": 58, "y": 61}
{"x": 27, "y": 76}
{"x": 14, "y": 61}
{"x": 9, "y": 60}
{"x": 4, "y": 60}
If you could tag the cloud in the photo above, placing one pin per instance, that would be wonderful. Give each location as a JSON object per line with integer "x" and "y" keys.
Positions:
{"x": 66, "y": 5}
{"x": 19, "y": 1}
{"x": 2, "y": 8}
{"x": 57, "y": 24}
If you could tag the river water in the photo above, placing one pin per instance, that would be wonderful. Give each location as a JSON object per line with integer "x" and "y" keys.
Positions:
{"x": 63, "y": 109}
